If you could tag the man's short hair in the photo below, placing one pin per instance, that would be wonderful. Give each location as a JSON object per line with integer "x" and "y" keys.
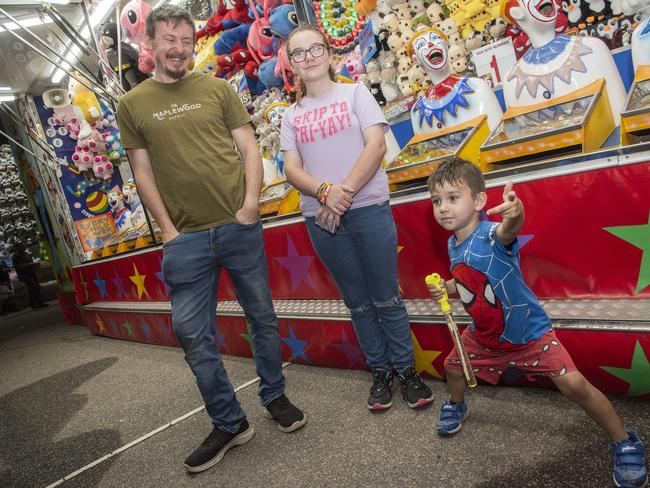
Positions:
{"x": 454, "y": 171}
{"x": 172, "y": 14}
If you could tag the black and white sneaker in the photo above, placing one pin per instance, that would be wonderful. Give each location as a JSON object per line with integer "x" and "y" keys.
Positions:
{"x": 414, "y": 391}
{"x": 381, "y": 394}
{"x": 216, "y": 445}
{"x": 286, "y": 414}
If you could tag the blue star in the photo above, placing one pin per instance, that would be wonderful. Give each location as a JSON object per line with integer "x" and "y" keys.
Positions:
{"x": 115, "y": 331}
{"x": 119, "y": 285}
{"x": 161, "y": 278}
{"x": 296, "y": 345}
{"x": 352, "y": 352}
{"x": 167, "y": 333}
{"x": 220, "y": 341}
{"x": 101, "y": 286}
{"x": 146, "y": 330}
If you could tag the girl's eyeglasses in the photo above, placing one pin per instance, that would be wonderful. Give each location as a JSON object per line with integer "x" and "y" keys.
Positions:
{"x": 299, "y": 55}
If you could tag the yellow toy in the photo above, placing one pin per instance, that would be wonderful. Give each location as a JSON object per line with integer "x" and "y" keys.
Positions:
{"x": 205, "y": 60}
{"x": 84, "y": 98}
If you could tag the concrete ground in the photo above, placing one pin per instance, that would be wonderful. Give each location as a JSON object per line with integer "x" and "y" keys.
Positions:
{"x": 68, "y": 398}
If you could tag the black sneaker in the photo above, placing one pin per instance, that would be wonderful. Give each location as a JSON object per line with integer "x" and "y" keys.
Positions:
{"x": 414, "y": 391}
{"x": 381, "y": 395}
{"x": 216, "y": 445}
{"x": 286, "y": 414}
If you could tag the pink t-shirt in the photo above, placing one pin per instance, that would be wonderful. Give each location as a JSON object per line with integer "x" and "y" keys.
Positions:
{"x": 328, "y": 134}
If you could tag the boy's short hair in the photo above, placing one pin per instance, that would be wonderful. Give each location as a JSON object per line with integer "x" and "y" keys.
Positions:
{"x": 455, "y": 170}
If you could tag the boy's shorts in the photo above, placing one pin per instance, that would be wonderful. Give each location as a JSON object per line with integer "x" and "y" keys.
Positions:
{"x": 546, "y": 356}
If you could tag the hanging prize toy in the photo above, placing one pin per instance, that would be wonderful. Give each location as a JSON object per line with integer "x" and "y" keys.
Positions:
{"x": 339, "y": 23}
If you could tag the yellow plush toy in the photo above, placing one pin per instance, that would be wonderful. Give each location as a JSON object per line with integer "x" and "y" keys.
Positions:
{"x": 457, "y": 13}
{"x": 364, "y": 7}
{"x": 479, "y": 20}
{"x": 473, "y": 7}
{"x": 84, "y": 98}
{"x": 205, "y": 60}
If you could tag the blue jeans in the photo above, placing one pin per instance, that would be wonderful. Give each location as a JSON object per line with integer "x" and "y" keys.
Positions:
{"x": 362, "y": 258}
{"x": 191, "y": 266}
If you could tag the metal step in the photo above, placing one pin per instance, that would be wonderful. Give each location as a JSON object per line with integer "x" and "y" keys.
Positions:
{"x": 605, "y": 315}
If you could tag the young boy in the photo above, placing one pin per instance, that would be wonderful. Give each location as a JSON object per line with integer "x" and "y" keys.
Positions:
{"x": 510, "y": 328}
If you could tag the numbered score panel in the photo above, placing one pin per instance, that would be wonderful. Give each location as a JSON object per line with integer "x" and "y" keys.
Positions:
{"x": 494, "y": 61}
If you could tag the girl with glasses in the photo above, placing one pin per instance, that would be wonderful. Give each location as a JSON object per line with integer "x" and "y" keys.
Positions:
{"x": 333, "y": 143}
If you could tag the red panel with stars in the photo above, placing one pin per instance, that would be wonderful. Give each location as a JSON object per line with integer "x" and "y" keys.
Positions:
{"x": 616, "y": 363}
{"x": 586, "y": 235}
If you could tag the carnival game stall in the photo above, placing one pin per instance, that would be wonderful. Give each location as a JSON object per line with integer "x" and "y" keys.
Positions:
{"x": 548, "y": 95}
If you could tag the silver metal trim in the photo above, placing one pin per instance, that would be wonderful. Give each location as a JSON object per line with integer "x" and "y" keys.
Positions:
{"x": 564, "y": 314}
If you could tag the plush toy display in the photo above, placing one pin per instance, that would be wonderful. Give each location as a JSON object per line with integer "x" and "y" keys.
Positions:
{"x": 84, "y": 98}
{"x": 17, "y": 226}
{"x": 127, "y": 59}
{"x": 133, "y": 18}
{"x": 388, "y": 77}
{"x": 641, "y": 34}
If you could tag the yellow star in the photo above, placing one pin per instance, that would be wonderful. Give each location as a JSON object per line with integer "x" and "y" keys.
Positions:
{"x": 138, "y": 280}
{"x": 424, "y": 359}
{"x": 100, "y": 324}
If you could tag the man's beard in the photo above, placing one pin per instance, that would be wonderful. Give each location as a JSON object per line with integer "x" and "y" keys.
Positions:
{"x": 174, "y": 74}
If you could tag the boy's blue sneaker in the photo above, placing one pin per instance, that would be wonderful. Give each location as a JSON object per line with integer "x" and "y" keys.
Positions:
{"x": 451, "y": 417}
{"x": 629, "y": 462}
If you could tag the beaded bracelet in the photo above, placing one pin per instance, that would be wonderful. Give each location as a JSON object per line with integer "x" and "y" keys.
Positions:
{"x": 319, "y": 192}
{"x": 323, "y": 190}
{"x": 326, "y": 192}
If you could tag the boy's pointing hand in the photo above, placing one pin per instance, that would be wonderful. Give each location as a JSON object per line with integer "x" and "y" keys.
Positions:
{"x": 511, "y": 208}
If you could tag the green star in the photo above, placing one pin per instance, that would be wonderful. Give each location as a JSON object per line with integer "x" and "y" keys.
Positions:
{"x": 638, "y": 236}
{"x": 248, "y": 336}
{"x": 637, "y": 375}
{"x": 129, "y": 329}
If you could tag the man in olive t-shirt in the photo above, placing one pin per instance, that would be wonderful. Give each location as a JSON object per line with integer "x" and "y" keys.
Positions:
{"x": 184, "y": 134}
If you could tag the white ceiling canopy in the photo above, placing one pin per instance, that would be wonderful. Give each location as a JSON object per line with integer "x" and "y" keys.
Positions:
{"x": 49, "y": 27}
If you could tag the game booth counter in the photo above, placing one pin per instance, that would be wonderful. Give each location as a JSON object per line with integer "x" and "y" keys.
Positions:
{"x": 558, "y": 113}
{"x": 564, "y": 130}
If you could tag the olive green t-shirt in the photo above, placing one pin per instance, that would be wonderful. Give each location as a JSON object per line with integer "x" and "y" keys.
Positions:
{"x": 186, "y": 129}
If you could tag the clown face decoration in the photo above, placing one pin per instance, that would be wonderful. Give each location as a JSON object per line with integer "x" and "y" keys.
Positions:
{"x": 535, "y": 17}
{"x": 430, "y": 50}
{"x": 273, "y": 115}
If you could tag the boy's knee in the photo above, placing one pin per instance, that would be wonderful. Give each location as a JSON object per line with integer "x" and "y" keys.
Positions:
{"x": 575, "y": 386}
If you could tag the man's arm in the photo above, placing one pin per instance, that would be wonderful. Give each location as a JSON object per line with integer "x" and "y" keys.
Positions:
{"x": 254, "y": 173}
{"x": 512, "y": 211}
{"x": 149, "y": 192}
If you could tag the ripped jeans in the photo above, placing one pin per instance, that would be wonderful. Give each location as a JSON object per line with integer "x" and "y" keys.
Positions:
{"x": 362, "y": 259}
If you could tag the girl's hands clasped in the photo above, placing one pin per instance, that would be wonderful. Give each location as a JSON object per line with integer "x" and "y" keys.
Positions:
{"x": 339, "y": 199}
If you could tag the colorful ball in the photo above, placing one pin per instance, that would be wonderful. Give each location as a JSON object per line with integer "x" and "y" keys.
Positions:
{"x": 97, "y": 202}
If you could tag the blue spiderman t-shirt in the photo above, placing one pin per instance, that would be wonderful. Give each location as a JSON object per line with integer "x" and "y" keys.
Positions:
{"x": 505, "y": 312}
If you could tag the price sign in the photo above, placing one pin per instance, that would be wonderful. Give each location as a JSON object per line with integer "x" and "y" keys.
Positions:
{"x": 495, "y": 60}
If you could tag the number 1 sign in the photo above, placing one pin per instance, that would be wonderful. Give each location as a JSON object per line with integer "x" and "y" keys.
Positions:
{"x": 495, "y": 60}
